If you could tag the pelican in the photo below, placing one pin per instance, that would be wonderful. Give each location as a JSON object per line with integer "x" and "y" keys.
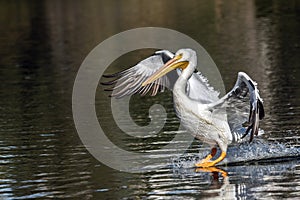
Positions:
{"x": 196, "y": 103}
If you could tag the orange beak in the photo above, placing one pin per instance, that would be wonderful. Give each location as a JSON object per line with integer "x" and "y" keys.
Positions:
{"x": 169, "y": 66}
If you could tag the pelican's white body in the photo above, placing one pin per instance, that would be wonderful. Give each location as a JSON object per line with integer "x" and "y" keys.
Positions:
{"x": 210, "y": 126}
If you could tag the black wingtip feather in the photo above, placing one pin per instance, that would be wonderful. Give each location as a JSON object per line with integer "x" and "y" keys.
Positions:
{"x": 252, "y": 85}
{"x": 247, "y": 131}
{"x": 108, "y": 82}
{"x": 261, "y": 110}
{"x": 108, "y": 89}
{"x": 114, "y": 75}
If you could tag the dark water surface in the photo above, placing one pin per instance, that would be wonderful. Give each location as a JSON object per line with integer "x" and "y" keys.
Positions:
{"x": 43, "y": 43}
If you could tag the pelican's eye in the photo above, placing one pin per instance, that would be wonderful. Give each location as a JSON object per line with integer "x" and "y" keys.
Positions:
{"x": 179, "y": 56}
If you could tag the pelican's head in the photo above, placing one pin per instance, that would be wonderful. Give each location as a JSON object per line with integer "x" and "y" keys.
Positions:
{"x": 184, "y": 59}
{"x": 188, "y": 55}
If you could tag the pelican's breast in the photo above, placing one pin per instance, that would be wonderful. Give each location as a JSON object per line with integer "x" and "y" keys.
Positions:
{"x": 200, "y": 122}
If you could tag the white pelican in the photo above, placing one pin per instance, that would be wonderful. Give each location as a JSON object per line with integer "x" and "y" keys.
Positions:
{"x": 196, "y": 103}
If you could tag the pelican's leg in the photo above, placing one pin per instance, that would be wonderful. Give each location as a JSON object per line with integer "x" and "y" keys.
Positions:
{"x": 212, "y": 163}
{"x": 210, "y": 156}
{"x": 223, "y": 148}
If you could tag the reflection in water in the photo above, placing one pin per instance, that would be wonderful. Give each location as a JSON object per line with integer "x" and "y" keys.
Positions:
{"x": 42, "y": 46}
{"x": 214, "y": 170}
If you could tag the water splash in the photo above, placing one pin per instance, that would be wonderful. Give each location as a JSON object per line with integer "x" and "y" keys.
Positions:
{"x": 259, "y": 151}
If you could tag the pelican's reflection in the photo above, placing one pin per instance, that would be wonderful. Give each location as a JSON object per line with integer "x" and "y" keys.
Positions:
{"x": 214, "y": 170}
{"x": 219, "y": 187}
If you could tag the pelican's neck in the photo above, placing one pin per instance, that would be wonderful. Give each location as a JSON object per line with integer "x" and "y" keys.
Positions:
{"x": 181, "y": 100}
{"x": 184, "y": 77}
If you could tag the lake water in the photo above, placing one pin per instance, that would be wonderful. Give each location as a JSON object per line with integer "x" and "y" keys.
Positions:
{"x": 42, "y": 45}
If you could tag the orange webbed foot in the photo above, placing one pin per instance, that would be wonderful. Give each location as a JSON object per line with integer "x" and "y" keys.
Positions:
{"x": 205, "y": 163}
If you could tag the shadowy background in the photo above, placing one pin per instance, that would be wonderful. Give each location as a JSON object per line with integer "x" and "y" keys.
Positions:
{"x": 43, "y": 43}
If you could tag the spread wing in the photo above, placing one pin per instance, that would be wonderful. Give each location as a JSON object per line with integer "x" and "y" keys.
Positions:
{"x": 236, "y": 99}
{"x": 129, "y": 81}
{"x": 199, "y": 89}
